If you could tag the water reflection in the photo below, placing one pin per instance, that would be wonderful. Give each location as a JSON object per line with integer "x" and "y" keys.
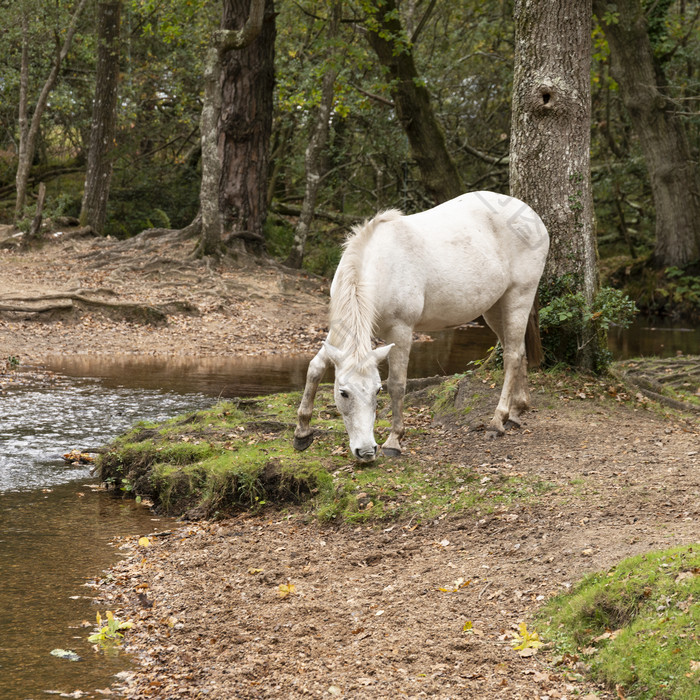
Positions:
{"x": 659, "y": 339}
{"x": 50, "y": 542}
{"x": 448, "y": 353}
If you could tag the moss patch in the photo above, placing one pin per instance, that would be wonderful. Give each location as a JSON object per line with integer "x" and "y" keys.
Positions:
{"x": 638, "y": 625}
{"x": 239, "y": 455}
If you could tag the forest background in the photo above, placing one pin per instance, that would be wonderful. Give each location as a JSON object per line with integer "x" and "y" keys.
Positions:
{"x": 329, "y": 76}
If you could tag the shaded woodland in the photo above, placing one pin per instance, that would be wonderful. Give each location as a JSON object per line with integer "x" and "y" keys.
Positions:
{"x": 275, "y": 125}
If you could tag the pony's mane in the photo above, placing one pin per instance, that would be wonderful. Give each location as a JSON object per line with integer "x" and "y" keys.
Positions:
{"x": 352, "y": 310}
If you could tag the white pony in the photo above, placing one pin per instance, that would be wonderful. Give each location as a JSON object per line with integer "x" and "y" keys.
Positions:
{"x": 480, "y": 254}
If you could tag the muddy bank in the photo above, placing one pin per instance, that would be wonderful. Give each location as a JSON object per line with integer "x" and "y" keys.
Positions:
{"x": 98, "y": 296}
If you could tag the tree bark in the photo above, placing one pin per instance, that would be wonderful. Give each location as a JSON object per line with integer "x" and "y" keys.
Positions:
{"x": 245, "y": 126}
{"x": 662, "y": 137}
{"x": 29, "y": 127}
{"x": 104, "y": 118}
{"x": 550, "y": 141}
{"x": 314, "y": 150}
{"x": 210, "y": 242}
{"x": 412, "y": 103}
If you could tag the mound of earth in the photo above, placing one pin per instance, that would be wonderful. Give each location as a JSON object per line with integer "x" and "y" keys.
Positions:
{"x": 84, "y": 295}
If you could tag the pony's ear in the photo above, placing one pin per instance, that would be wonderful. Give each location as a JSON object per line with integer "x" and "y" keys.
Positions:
{"x": 380, "y": 354}
{"x": 335, "y": 354}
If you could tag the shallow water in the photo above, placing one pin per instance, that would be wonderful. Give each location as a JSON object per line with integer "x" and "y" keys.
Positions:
{"x": 50, "y": 543}
{"x": 55, "y": 529}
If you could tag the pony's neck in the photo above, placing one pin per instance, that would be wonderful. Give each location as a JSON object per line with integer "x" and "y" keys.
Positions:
{"x": 351, "y": 315}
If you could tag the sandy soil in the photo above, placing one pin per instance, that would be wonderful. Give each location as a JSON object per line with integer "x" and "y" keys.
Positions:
{"x": 364, "y": 616}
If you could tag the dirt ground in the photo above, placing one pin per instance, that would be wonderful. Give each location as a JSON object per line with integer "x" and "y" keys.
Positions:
{"x": 95, "y": 295}
{"x": 360, "y": 613}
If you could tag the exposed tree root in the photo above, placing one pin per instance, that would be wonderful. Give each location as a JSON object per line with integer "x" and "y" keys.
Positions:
{"x": 70, "y": 300}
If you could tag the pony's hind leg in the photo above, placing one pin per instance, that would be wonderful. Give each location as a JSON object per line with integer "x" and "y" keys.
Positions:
{"x": 509, "y": 326}
{"x": 303, "y": 434}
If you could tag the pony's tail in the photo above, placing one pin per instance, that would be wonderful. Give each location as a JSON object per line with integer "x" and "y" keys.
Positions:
{"x": 533, "y": 341}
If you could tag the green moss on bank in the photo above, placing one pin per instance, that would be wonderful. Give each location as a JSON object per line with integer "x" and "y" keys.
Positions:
{"x": 239, "y": 455}
{"x": 637, "y": 625}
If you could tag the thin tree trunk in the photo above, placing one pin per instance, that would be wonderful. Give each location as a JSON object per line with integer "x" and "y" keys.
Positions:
{"x": 29, "y": 128}
{"x": 662, "y": 138}
{"x": 550, "y": 141}
{"x": 314, "y": 150}
{"x": 104, "y": 118}
{"x": 412, "y": 103}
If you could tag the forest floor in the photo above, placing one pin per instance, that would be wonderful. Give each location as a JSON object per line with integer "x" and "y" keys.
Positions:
{"x": 277, "y": 605}
{"x": 78, "y": 295}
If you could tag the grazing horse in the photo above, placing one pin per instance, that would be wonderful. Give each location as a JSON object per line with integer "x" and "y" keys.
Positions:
{"x": 480, "y": 254}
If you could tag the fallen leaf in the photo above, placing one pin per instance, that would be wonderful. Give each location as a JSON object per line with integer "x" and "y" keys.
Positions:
{"x": 66, "y": 654}
{"x": 459, "y": 583}
{"x": 524, "y": 640}
{"x": 252, "y": 571}
{"x": 286, "y": 589}
{"x": 144, "y": 542}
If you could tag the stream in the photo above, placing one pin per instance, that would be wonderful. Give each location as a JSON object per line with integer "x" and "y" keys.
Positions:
{"x": 56, "y": 526}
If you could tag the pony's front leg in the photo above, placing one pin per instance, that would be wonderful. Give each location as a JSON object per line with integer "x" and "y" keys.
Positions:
{"x": 396, "y": 383}
{"x": 303, "y": 434}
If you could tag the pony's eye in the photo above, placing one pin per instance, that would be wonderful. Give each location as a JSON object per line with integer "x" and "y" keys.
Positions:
{"x": 344, "y": 393}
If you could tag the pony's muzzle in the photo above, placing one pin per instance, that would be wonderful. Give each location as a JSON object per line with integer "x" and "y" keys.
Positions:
{"x": 366, "y": 454}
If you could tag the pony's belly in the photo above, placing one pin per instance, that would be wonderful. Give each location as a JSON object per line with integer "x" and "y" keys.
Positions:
{"x": 443, "y": 321}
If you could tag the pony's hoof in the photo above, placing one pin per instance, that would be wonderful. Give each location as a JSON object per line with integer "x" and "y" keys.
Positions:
{"x": 302, "y": 443}
{"x": 391, "y": 452}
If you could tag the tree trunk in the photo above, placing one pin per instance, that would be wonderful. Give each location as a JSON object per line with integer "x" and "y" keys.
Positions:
{"x": 550, "y": 142}
{"x": 412, "y": 103}
{"x": 245, "y": 126}
{"x": 93, "y": 212}
{"x": 225, "y": 40}
{"x": 315, "y": 148}
{"x": 662, "y": 138}
{"x": 29, "y": 128}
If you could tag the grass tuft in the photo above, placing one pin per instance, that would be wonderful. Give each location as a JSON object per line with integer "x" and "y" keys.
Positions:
{"x": 637, "y": 625}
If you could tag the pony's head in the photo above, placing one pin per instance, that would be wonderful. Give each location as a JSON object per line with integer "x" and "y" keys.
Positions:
{"x": 357, "y": 385}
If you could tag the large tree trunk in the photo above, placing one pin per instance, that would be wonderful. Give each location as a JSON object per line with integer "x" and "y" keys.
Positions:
{"x": 225, "y": 40}
{"x": 550, "y": 142}
{"x": 245, "y": 126}
{"x": 98, "y": 177}
{"x": 412, "y": 103}
{"x": 29, "y": 127}
{"x": 315, "y": 148}
{"x": 662, "y": 137}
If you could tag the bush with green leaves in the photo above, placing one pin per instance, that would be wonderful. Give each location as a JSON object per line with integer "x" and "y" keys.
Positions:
{"x": 568, "y": 322}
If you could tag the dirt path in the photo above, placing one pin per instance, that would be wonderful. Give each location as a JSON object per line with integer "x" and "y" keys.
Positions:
{"x": 366, "y": 618}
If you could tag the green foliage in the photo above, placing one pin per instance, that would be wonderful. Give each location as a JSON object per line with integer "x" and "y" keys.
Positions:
{"x": 568, "y": 322}
{"x": 110, "y": 634}
{"x": 636, "y": 624}
{"x": 684, "y": 289}
{"x": 671, "y": 292}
